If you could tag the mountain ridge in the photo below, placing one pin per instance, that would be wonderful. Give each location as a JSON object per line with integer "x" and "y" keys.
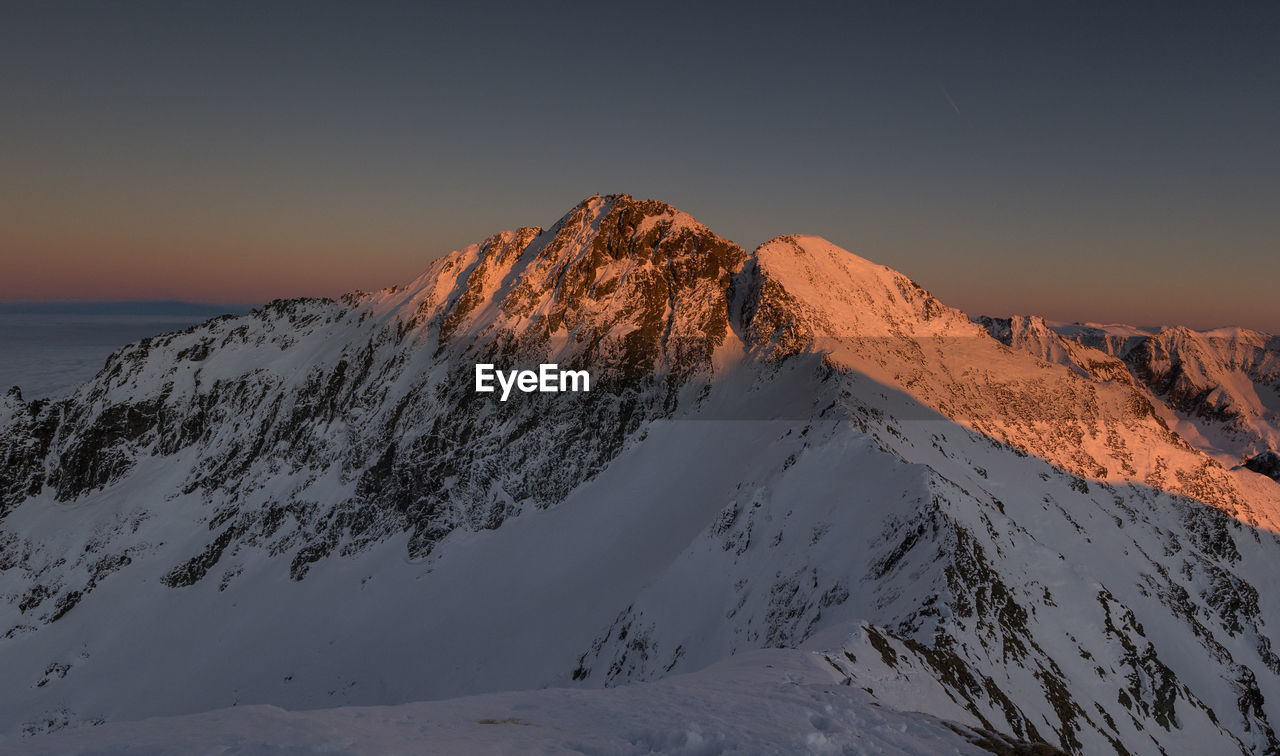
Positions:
{"x": 790, "y": 448}
{"x": 1220, "y": 389}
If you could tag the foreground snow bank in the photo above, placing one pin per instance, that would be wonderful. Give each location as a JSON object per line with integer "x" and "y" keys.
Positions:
{"x": 774, "y": 701}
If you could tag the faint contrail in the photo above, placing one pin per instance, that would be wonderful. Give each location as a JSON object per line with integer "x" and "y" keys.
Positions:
{"x": 947, "y": 94}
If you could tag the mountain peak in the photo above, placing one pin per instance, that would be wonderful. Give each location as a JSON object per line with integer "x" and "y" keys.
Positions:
{"x": 635, "y": 285}
{"x": 642, "y": 216}
{"x": 649, "y": 276}
{"x": 845, "y": 295}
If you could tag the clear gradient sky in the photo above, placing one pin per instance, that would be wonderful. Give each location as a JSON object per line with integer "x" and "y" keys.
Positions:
{"x": 1107, "y": 162}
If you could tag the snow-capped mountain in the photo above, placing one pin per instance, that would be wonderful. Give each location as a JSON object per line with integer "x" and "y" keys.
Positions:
{"x": 994, "y": 524}
{"x": 1219, "y": 389}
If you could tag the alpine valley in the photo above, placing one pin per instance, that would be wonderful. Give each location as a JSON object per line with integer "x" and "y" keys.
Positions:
{"x": 805, "y": 506}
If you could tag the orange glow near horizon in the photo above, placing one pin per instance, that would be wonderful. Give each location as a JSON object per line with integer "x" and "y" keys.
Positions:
{"x": 242, "y": 271}
{"x": 252, "y": 269}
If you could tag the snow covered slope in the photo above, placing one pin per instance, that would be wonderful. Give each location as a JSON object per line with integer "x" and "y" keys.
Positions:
{"x": 777, "y": 701}
{"x": 309, "y": 507}
{"x": 1219, "y": 389}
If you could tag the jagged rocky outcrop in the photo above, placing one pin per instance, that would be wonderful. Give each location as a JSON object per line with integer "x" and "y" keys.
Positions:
{"x": 1266, "y": 463}
{"x": 791, "y": 448}
{"x": 29, "y": 428}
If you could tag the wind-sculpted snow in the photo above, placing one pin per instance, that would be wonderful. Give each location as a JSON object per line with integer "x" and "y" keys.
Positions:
{"x": 311, "y": 507}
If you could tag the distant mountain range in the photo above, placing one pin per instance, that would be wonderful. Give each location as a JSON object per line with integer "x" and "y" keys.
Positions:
{"x": 958, "y": 534}
{"x": 1216, "y": 388}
